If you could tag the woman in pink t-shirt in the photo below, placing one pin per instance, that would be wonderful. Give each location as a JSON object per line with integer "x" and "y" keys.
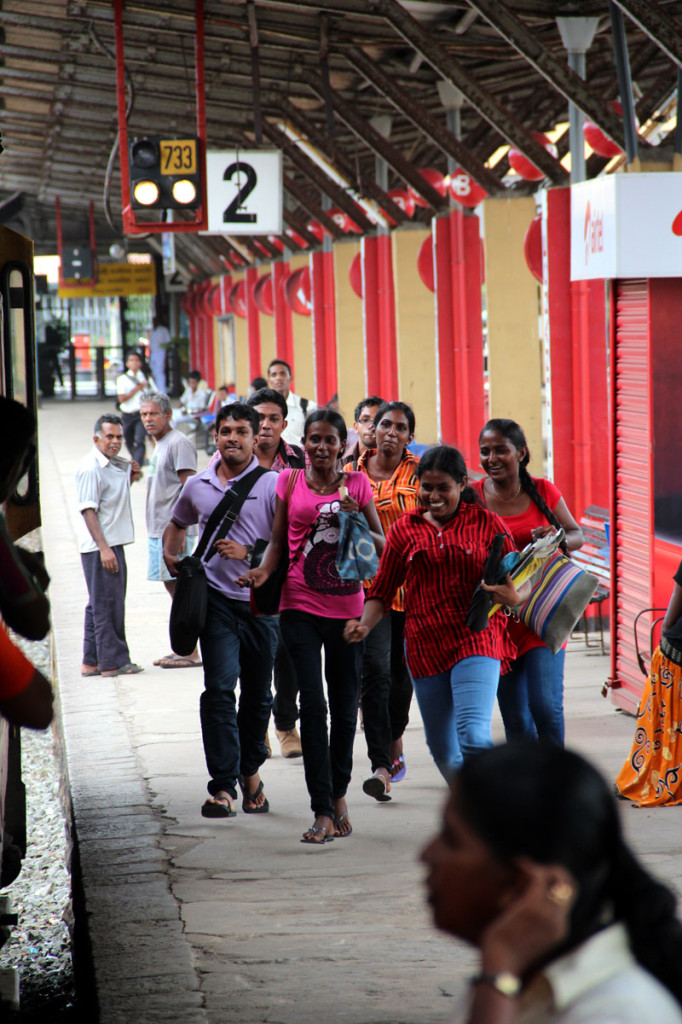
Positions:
{"x": 531, "y": 695}
{"x": 315, "y": 606}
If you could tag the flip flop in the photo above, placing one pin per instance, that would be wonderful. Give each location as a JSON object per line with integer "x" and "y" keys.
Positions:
{"x": 310, "y": 841}
{"x": 218, "y": 807}
{"x": 263, "y": 808}
{"x": 91, "y": 672}
{"x": 178, "y": 662}
{"x": 337, "y": 822}
{"x": 125, "y": 670}
{"x": 376, "y": 786}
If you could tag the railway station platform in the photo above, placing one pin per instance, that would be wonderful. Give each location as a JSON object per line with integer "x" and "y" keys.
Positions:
{"x": 234, "y": 922}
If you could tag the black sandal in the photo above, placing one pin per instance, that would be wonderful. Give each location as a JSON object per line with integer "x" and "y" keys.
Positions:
{"x": 311, "y": 841}
{"x": 252, "y": 797}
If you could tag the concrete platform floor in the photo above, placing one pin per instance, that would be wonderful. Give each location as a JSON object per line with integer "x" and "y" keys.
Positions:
{"x": 235, "y": 922}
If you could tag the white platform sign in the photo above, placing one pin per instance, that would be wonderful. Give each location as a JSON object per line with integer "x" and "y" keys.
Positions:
{"x": 244, "y": 190}
{"x": 627, "y": 225}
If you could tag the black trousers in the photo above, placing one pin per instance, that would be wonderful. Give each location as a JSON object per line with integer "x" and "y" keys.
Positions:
{"x": 104, "y": 634}
{"x": 327, "y": 756}
{"x": 284, "y": 707}
{"x": 134, "y": 434}
{"x": 385, "y": 689}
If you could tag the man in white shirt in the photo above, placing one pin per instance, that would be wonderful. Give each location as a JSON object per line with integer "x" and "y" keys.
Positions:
{"x": 173, "y": 460}
{"x": 159, "y": 339}
{"x": 193, "y": 403}
{"x": 129, "y": 387}
{"x": 106, "y": 525}
{"x": 279, "y": 378}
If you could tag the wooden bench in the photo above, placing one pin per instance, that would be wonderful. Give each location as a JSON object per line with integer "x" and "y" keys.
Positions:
{"x": 595, "y": 557}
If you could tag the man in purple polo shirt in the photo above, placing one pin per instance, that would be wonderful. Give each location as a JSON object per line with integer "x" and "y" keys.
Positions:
{"x": 234, "y": 644}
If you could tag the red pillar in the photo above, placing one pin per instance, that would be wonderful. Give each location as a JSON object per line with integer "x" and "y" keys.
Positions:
{"x": 370, "y": 313}
{"x": 388, "y": 352}
{"x": 252, "y": 324}
{"x": 324, "y": 325}
{"x": 444, "y": 330}
{"x": 579, "y": 401}
{"x": 378, "y": 306}
{"x": 284, "y": 331}
{"x": 193, "y": 324}
{"x": 457, "y": 267}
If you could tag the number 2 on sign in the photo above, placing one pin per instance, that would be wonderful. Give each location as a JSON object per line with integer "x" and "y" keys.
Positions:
{"x": 231, "y": 213}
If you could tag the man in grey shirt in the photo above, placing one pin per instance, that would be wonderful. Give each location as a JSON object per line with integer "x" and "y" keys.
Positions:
{"x": 173, "y": 460}
{"x": 105, "y": 526}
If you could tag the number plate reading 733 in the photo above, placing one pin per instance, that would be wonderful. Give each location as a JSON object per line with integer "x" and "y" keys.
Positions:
{"x": 178, "y": 156}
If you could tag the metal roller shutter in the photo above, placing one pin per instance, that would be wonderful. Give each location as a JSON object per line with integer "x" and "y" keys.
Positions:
{"x": 633, "y": 491}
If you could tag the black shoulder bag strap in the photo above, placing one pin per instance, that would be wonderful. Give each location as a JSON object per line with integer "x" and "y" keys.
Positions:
{"x": 227, "y": 510}
{"x": 297, "y": 460}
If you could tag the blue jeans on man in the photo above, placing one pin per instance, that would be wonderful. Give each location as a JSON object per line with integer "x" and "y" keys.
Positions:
{"x": 235, "y": 646}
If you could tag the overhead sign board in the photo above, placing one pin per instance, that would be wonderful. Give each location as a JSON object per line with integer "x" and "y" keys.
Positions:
{"x": 244, "y": 190}
{"x": 627, "y": 225}
{"x": 116, "y": 279}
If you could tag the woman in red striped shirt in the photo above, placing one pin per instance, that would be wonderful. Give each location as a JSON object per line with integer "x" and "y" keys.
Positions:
{"x": 438, "y": 551}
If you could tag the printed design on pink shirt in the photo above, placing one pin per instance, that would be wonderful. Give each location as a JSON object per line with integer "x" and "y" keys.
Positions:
{"x": 319, "y": 553}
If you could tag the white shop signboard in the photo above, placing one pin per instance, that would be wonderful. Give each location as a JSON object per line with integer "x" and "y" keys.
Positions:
{"x": 244, "y": 189}
{"x": 627, "y": 225}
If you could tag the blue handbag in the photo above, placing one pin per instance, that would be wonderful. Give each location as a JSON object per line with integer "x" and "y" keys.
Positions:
{"x": 356, "y": 557}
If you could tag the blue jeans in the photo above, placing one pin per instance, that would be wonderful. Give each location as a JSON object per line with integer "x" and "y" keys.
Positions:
{"x": 531, "y": 696}
{"x": 235, "y": 645}
{"x": 457, "y": 708}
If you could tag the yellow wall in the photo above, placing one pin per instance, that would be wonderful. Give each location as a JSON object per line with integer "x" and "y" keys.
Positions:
{"x": 304, "y": 377}
{"x": 416, "y": 334}
{"x": 514, "y": 346}
{"x": 350, "y": 351}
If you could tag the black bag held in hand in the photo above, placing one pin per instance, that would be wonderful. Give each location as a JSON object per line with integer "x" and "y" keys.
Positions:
{"x": 190, "y": 597}
{"x": 265, "y": 598}
{"x": 481, "y": 602}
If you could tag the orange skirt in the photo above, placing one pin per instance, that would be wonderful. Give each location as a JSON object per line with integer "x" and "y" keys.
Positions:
{"x": 652, "y": 775}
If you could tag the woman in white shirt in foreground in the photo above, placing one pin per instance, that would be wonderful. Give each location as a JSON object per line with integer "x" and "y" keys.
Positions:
{"x": 531, "y": 867}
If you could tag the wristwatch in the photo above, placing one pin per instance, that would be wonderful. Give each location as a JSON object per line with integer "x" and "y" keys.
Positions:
{"x": 506, "y": 983}
{"x": 249, "y": 551}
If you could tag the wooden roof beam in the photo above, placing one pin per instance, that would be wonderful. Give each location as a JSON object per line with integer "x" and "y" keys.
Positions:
{"x": 312, "y": 171}
{"x": 563, "y": 78}
{"x": 417, "y": 113}
{"x": 652, "y": 19}
{"x": 315, "y": 211}
{"x": 323, "y": 143}
{"x": 452, "y": 71}
{"x": 381, "y": 146}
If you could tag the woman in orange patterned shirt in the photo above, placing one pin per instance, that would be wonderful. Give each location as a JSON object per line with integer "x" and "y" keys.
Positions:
{"x": 386, "y": 686}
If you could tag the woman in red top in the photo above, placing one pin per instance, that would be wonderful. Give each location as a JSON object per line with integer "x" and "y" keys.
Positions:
{"x": 531, "y": 694}
{"x": 438, "y": 551}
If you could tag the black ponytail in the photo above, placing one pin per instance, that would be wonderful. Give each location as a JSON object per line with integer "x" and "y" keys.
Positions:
{"x": 514, "y": 433}
{"x": 647, "y": 909}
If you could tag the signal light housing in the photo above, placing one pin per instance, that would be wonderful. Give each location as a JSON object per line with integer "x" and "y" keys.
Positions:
{"x": 164, "y": 173}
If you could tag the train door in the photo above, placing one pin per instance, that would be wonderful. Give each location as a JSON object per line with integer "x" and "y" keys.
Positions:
{"x": 22, "y": 509}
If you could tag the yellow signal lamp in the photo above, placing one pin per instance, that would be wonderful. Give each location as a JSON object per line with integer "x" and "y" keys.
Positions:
{"x": 146, "y": 192}
{"x": 184, "y": 191}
